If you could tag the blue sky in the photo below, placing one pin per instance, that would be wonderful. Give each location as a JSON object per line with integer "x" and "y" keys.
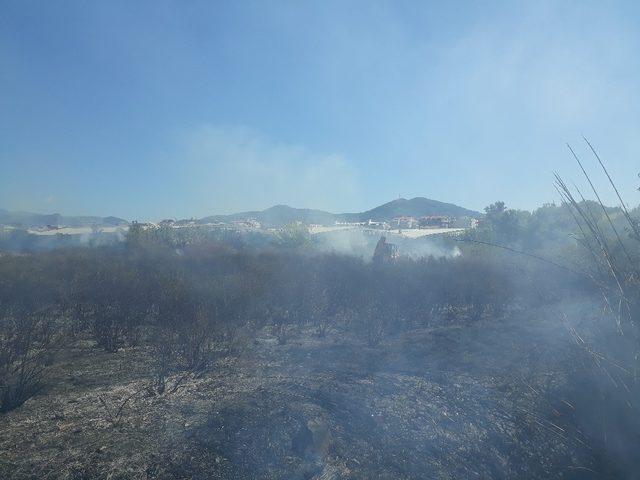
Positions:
{"x": 155, "y": 109}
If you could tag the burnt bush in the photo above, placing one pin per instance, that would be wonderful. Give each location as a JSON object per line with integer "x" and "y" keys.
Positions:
{"x": 164, "y": 359}
{"x": 113, "y": 295}
{"x": 26, "y": 348}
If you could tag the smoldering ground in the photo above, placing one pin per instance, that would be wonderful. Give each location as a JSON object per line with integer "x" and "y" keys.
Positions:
{"x": 362, "y": 242}
{"x": 226, "y": 363}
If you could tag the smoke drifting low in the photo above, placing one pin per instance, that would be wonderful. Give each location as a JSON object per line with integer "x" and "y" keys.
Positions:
{"x": 361, "y": 243}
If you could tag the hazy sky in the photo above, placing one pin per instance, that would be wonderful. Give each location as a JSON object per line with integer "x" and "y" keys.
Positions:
{"x": 155, "y": 109}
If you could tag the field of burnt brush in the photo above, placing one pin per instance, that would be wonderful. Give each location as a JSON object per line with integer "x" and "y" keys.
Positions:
{"x": 214, "y": 360}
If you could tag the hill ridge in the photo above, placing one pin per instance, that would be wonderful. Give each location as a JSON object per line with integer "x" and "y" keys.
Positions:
{"x": 282, "y": 214}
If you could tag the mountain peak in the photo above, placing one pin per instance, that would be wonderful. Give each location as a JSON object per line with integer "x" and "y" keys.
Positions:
{"x": 279, "y": 215}
{"x": 415, "y": 207}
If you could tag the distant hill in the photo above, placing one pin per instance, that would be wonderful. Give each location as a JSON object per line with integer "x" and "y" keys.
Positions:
{"x": 271, "y": 217}
{"x": 277, "y": 216}
{"x": 415, "y": 207}
{"x": 282, "y": 214}
{"x": 35, "y": 220}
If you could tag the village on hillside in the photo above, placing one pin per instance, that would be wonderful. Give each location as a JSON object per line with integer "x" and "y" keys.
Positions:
{"x": 406, "y": 226}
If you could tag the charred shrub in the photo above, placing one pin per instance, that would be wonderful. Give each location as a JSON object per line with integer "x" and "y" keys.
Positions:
{"x": 26, "y": 342}
{"x": 181, "y": 348}
{"x": 107, "y": 328}
{"x": 196, "y": 342}
{"x": 164, "y": 359}
{"x": 110, "y": 298}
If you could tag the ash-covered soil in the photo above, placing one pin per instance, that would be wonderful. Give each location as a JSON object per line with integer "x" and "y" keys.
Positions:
{"x": 457, "y": 402}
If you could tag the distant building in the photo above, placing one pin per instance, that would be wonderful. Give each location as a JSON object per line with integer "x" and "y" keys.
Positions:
{"x": 435, "y": 221}
{"x": 350, "y": 224}
{"x": 146, "y": 225}
{"x": 404, "y": 222}
{"x": 378, "y": 225}
{"x": 186, "y": 222}
{"x": 250, "y": 223}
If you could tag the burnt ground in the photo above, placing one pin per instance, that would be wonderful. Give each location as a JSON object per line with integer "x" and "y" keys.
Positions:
{"x": 468, "y": 401}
